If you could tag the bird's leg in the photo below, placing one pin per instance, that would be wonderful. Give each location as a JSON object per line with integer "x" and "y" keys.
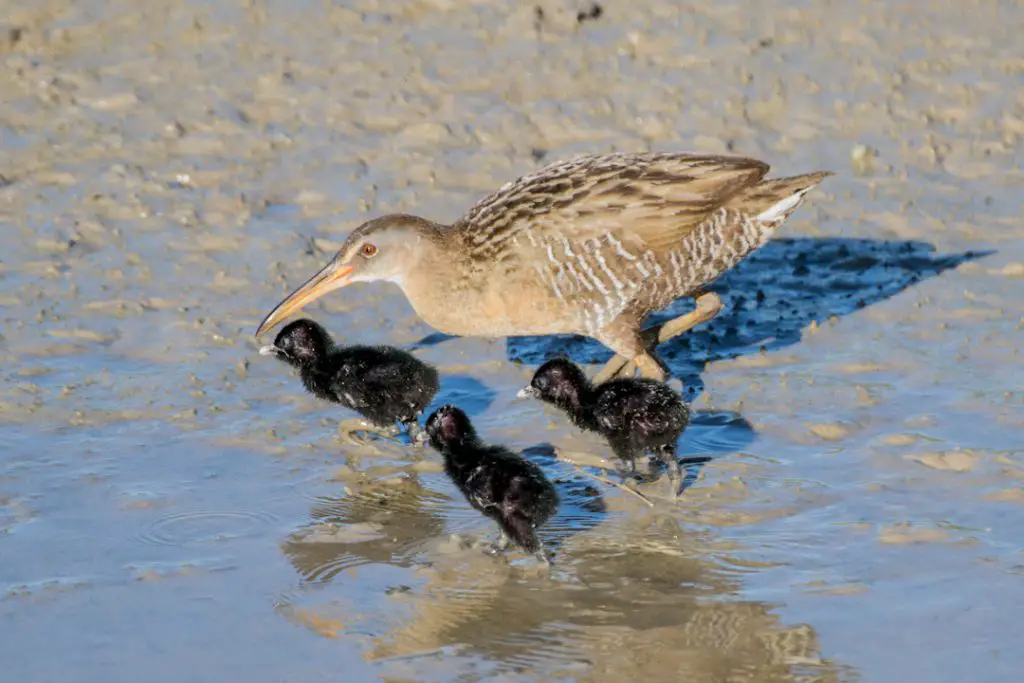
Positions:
{"x": 649, "y": 367}
{"x": 500, "y": 545}
{"x": 709, "y": 305}
{"x": 622, "y": 336}
{"x": 417, "y": 435}
{"x": 654, "y": 469}
{"x": 612, "y": 369}
{"x": 542, "y": 554}
{"x": 667, "y": 454}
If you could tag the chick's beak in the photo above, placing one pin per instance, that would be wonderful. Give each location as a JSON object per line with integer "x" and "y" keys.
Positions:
{"x": 268, "y": 350}
{"x": 527, "y": 392}
{"x": 332, "y": 277}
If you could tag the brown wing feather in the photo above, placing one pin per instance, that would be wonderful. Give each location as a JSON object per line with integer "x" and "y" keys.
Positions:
{"x": 652, "y": 198}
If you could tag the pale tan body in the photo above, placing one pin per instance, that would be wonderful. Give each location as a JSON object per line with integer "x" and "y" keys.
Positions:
{"x": 590, "y": 246}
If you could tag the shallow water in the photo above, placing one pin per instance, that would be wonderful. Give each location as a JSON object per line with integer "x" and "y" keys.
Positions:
{"x": 172, "y": 506}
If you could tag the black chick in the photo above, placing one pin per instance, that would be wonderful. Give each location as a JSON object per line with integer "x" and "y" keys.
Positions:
{"x": 504, "y": 486}
{"x": 634, "y": 415}
{"x": 383, "y": 384}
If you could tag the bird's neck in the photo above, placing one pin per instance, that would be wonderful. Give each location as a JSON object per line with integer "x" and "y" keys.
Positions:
{"x": 583, "y": 417}
{"x": 580, "y": 407}
{"x": 462, "y": 455}
{"x": 436, "y": 284}
{"x": 316, "y": 381}
{"x": 430, "y": 254}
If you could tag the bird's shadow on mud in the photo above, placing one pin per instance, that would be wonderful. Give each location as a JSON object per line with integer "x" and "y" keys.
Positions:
{"x": 769, "y": 299}
{"x": 469, "y": 393}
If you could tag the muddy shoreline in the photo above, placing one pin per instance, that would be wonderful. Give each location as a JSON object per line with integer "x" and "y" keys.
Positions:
{"x": 173, "y": 507}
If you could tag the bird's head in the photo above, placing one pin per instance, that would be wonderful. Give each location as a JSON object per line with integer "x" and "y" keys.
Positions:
{"x": 560, "y": 382}
{"x": 449, "y": 428}
{"x": 302, "y": 342}
{"x": 382, "y": 249}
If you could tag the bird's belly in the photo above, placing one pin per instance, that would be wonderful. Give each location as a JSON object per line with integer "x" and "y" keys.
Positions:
{"x": 496, "y": 312}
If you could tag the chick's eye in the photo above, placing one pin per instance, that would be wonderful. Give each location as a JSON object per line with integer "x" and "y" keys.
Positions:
{"x": 369, "y": 250}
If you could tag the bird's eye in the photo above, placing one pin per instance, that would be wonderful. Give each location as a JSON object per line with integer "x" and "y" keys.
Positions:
{"x": 369, "y": 250}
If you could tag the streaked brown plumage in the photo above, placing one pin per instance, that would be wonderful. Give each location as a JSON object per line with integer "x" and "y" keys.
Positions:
{"x": 588, "y": 246}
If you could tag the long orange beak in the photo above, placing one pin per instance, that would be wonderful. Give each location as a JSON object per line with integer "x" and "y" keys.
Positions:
{"x": 332, "y": 277}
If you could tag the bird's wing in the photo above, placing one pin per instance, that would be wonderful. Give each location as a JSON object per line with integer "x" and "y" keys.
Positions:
{"x": 478, "y": 488}
{"x": 646, "y": 201}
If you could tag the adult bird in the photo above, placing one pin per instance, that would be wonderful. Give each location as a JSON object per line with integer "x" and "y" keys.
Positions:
{"x": 589, "y": 246}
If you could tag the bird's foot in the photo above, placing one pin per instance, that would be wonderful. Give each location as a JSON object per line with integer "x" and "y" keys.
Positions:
{"x": 417, "y": 435}
{"x": 349, "y": 429}
{"x": 621, "y": 367}
{"x": 499, "y": 546}
{"x": 708, "y": 306}
{"x": 655, "y": 468}
{"x": 542, "y": 555}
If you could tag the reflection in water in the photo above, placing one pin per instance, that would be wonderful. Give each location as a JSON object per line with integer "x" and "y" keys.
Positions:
{"x": 643, "y": 599}
{"x": 397, "y": 564}
{"x": 770, "y": 298}
{"x": 399, "y": 522}
{"x": 632, "y": 593}
{"x": 624, "y": 610}
{"x": 377, "y": 523}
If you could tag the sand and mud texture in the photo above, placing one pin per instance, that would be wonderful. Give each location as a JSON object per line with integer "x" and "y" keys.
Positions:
{"x": 173, "y": 507}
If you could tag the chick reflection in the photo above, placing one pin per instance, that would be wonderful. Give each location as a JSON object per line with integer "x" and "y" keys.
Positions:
{"x": 383, "y": 384}
{"x": 379, "y": 522}
{"x": 411, "y": 518}
{"x": 638, "y": 609}
{"x": 503, "y": 486}
{"x": 634, "y": 415}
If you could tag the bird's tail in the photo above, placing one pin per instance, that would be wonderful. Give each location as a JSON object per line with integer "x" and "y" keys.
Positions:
{"x": 519, "y": 527}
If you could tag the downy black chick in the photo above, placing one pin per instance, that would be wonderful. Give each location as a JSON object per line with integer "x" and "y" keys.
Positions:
{"x": 503, "y": 485}
{"x": 383, "y": 384}
{"x": 634, "y": 415}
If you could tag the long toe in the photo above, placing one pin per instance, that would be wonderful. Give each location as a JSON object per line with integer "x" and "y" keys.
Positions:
{"x": 618, "y": 366}
{"x": 417, "y": 435}
{"x": 650, "y": 368}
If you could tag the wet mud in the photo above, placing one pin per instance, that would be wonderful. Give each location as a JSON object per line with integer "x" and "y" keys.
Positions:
{"x": 174, "y": 507}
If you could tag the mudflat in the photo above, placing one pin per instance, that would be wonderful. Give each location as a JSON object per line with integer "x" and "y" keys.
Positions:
{"x": 174, "y": 508}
